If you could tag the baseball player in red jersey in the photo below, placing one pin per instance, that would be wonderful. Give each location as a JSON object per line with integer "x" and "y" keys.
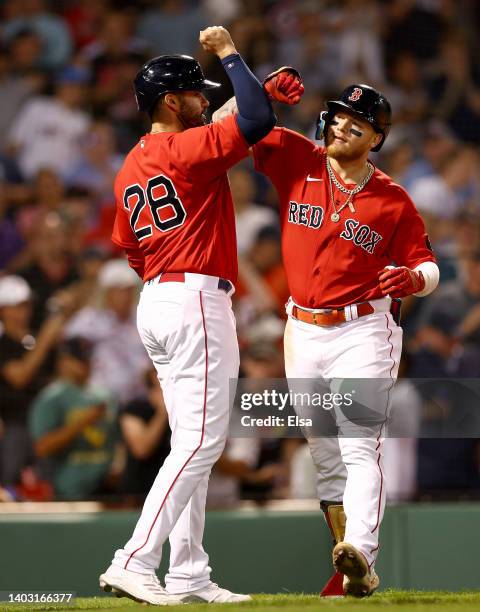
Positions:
{"x": 344, "y": 223}
{"x": 175, "y": 220}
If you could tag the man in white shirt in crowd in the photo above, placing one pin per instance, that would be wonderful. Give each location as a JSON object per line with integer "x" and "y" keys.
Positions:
{"x": 119, "y": 358}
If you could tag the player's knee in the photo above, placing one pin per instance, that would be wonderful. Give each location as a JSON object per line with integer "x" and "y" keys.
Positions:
{"x": 210, "y": 450}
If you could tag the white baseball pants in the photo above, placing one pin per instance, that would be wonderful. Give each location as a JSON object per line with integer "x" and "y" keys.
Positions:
{"x": 349, "y": 467}
{"x": 189, "y": 333}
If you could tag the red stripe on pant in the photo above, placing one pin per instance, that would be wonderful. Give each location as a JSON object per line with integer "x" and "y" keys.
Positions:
{"x": 198, "y": 447}
{"x": 380, "y": 432}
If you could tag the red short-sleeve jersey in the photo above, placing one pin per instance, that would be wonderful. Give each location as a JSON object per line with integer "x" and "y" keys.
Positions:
{"x": 174, "y": 210}
{"x": 330, "y": 264}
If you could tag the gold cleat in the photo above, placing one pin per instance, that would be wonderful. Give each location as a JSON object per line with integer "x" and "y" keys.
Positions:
{"x": 358, "y": 580}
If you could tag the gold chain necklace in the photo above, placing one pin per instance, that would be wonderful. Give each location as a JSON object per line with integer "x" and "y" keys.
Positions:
{"x": 335, "y": 216}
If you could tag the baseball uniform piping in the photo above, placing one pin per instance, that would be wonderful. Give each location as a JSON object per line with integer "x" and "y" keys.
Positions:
{"x": 201, "y": 437}
{"x": 380, "y": 432}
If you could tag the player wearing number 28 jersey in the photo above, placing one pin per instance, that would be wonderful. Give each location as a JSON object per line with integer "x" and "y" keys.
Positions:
{"x": 175, "y": 209}
{"x": 176, "y": 222}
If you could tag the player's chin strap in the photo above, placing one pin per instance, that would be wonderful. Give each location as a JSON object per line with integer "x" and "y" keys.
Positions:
{"x": 336, "y": 521}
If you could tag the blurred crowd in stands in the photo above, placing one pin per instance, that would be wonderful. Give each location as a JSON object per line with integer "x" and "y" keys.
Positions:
{"x": 81, "y": 412}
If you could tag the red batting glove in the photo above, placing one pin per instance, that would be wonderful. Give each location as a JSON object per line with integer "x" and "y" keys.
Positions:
{"x": 284, "y": 85}
{"x": 400, "y": 282}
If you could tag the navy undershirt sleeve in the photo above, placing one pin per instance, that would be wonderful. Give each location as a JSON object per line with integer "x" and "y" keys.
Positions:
{"x": 255, "y": 114}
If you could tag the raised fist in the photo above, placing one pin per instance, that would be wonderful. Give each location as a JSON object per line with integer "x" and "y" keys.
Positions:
{"x": 284, "y": 85}
{"x": 217, "y": 39}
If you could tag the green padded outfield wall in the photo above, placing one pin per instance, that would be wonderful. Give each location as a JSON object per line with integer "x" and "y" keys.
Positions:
{"x": 423, "y": 547}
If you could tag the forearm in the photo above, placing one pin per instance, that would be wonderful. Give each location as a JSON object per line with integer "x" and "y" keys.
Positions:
{"x": 57, "y": 440}
{"x": 153, "y": 432}
{"x": 255, "y": 114}
{"x": 142, "y": 438}
{"x": 431, "y": 276}
{"x": 19, "y": 373}
{"x": 232, "y": 467}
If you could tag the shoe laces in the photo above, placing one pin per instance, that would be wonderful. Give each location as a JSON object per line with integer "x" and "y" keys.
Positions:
{"x": 152, "y": 582}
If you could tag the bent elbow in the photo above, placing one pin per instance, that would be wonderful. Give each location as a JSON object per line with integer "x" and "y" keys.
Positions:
{"x": 254, "y": 130}
{"x": 266, "y": 127}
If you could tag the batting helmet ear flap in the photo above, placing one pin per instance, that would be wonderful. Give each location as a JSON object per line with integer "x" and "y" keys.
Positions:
{"x": 321, "y": 125}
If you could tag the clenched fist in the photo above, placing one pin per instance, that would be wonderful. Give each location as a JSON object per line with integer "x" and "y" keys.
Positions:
{"x": 400, "y": 282}
{"x": 217, "y": 39}
{"x": 284, "y": 85}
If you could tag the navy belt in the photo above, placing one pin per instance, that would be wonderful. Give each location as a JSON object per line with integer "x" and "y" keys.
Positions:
{"x": 179, "y": 277}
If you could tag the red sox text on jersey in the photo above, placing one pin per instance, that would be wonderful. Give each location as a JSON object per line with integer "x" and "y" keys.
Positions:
{"x": 312, "y": 216}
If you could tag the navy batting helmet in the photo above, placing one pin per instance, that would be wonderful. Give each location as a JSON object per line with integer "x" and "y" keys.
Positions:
{"x": 363, "y": 101}
{"x": 165, "y": 74}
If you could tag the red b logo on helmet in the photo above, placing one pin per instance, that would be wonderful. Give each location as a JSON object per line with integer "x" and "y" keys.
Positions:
{"x": 355, "y": 95}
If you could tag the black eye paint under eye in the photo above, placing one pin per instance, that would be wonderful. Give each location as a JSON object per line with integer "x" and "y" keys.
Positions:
{"x": 334, "y": 122}
{"x": 356, "y": 132}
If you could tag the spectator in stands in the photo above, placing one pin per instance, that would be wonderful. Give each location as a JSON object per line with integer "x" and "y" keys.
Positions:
{"x": 15, "y": 87}
{"x": 51, "y": 29}
{"x": 145, "y": 431}
{"x": 172, "y": 26}
{"x": 11, "y": 240}
{"x": 401, "y": 442}
{"x": 444, "y": 318}
{"x": 437, "y": 145}
{"x": 47, "y": 195}
{"x": 358, "y": 29}
{"x": 48, "y": 130}
{"x": 237, "y": 467}
{"x": 455, "y": 90}
{"x": 24, "y": 50}
{"x": 269, "y": 474}
{"x": 107, "y": 54}
{"x": 96, "y": 169}
{"x": 443, "y": 194}
{"x": 84, "y": 18}
{"x": 408, "y": 97}
{"x": 25, "y": 366}
{"x": 414, "y": 26}
{"x": 265, "y": 257}
{"x": 51, "y": 267}
{"x": 73, "y": 426}
{"x": 89, "y": 264}
{"x": 250, "y": 218}
{"x": 119, "y": 358}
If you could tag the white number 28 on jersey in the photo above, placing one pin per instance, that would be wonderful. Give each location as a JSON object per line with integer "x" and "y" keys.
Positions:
{"x": 150, "y": 195}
